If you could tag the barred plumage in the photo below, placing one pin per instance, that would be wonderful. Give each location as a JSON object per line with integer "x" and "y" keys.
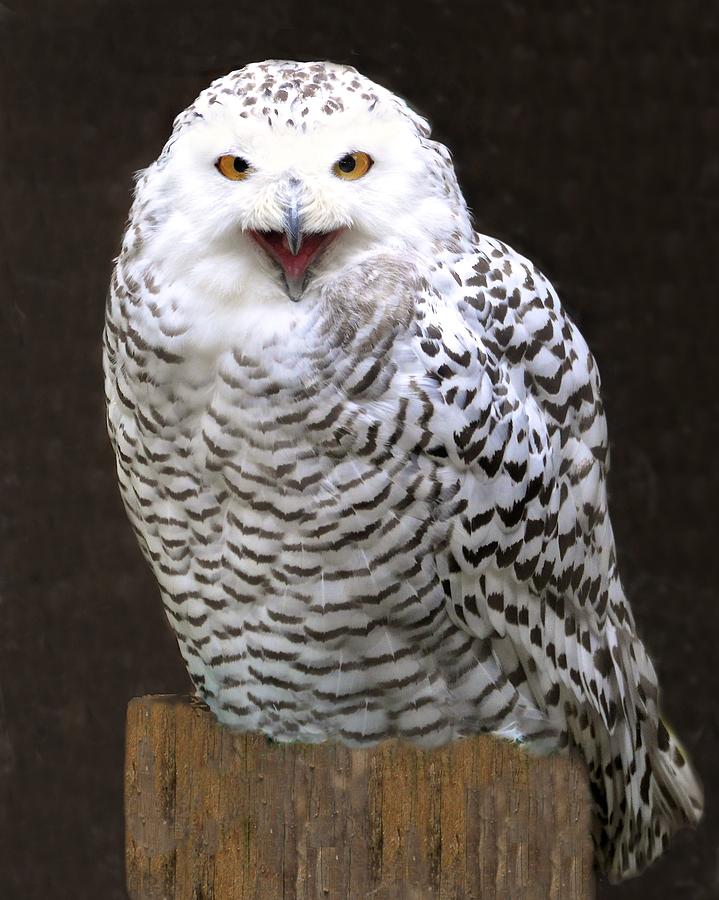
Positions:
{"x": 380, "y": 510}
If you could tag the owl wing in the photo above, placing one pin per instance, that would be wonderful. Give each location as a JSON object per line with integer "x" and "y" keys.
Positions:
{"x": 520, "y": 417}
{"x": 531, "y": 563}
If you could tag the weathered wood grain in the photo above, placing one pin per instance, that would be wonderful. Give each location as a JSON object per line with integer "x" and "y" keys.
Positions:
{"x": 216, "y": 816}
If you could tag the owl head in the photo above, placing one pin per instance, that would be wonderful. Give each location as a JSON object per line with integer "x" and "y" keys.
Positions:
{"x": 281, "y": 175}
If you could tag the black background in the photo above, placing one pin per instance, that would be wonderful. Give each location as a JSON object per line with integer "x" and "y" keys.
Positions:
{"x": 585, "y": 134}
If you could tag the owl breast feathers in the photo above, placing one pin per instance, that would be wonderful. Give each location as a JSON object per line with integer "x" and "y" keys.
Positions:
{"x": 364, "y": 452}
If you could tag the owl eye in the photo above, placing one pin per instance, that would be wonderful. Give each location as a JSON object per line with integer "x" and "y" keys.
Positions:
{"x": 353, "y": 166}
{"x": 233, "y": 167}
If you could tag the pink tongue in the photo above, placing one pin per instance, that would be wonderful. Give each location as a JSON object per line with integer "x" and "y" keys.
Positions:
{"x": 294, "y": 266}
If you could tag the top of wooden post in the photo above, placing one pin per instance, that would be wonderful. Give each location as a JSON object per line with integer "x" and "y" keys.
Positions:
{"x": 214, "y": 814}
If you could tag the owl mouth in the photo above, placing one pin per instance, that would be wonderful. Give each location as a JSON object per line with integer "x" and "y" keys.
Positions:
{"x": 295, "y": 253}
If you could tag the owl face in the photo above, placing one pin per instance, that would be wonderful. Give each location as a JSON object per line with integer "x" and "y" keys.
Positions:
{"x": 269, "y": 199}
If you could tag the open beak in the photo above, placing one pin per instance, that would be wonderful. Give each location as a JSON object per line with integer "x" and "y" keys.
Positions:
{"x": 293, "y": 225}
{"x": 294, "y": 249}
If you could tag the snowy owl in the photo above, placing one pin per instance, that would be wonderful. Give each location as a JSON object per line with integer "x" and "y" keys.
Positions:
{"x": 363, "y": 449}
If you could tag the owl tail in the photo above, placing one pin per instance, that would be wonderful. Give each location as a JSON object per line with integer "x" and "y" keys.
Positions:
{"x": 655, "y": 796}
{"x": 642, "y": 784}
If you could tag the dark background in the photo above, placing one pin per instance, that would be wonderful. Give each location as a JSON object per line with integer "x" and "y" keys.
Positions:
{"x": 586, "y": 135}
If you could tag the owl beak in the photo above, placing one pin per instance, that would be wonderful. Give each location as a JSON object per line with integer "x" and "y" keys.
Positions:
{"x": 293, "y": 224}
{"x": 295, "y": 271}
{"x": 293, "y": 248}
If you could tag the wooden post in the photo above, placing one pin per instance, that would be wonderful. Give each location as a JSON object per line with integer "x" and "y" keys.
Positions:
{"x": 212, "y": 815}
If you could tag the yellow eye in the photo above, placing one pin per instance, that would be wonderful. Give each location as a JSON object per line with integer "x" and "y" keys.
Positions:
{"x": 233, "y": 167}
{"x": 353, "y": 166}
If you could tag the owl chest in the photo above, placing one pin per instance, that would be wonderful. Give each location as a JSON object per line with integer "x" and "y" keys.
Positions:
{"x": 289, "y": 459}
